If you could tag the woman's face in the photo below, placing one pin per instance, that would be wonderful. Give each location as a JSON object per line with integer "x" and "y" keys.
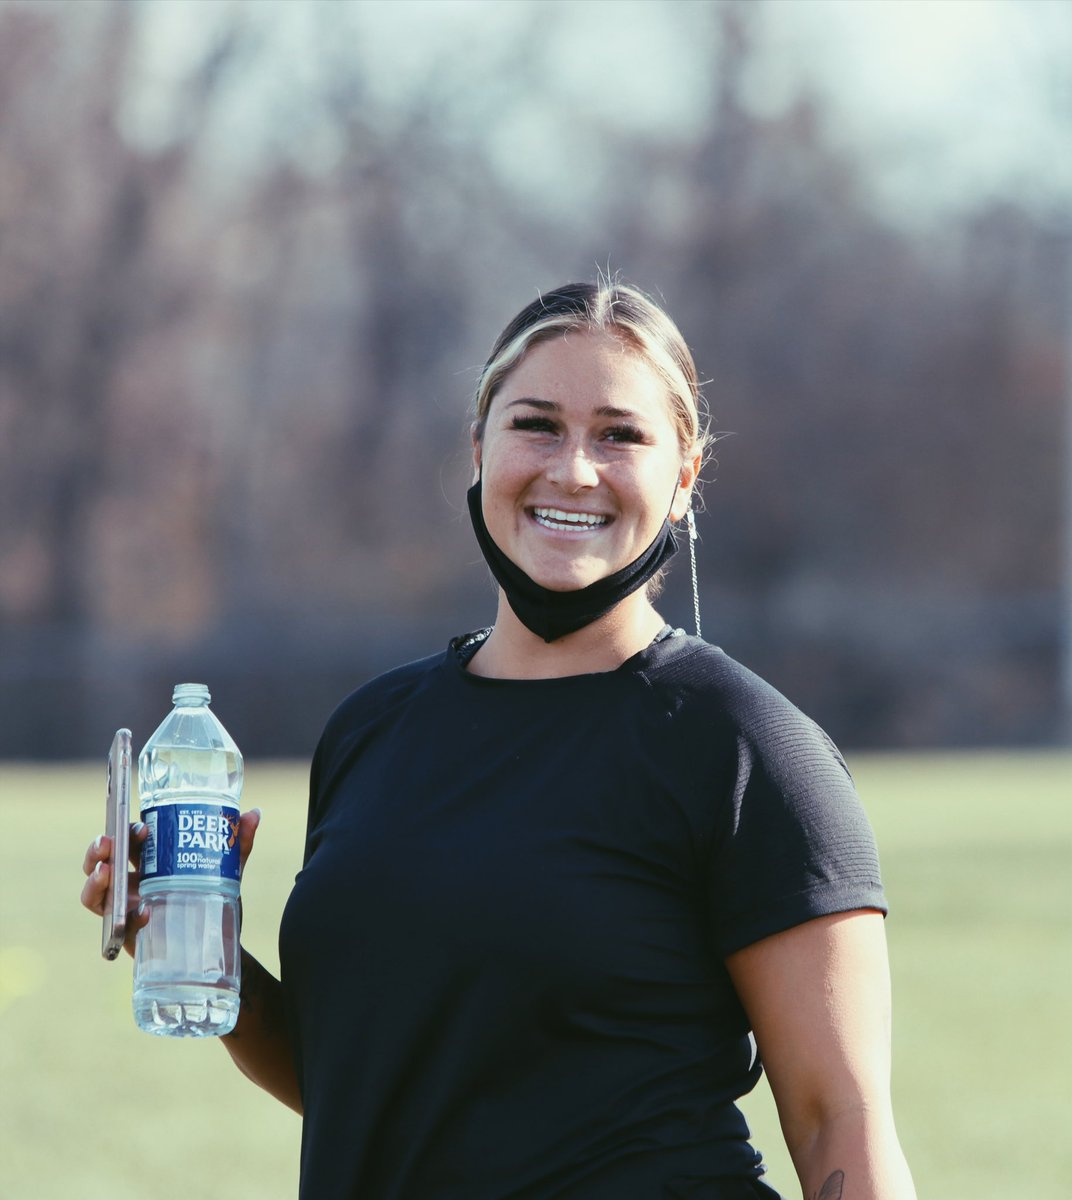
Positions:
{"x": 580, "y": 462}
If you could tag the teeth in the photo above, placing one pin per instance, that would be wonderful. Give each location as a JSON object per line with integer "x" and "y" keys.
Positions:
{"x": 556, "y": 517}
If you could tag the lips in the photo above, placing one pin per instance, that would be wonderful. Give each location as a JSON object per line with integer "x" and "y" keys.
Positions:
{"x": 570, "y": 522}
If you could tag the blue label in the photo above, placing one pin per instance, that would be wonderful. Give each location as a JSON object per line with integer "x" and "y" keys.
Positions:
{"x": 191, "y": 840}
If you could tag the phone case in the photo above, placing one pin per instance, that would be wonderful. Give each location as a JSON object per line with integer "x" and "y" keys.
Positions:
{"x": 117, "y": 827}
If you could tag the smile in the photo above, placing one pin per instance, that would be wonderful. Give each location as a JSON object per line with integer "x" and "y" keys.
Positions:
{"x": 557, "y": 518}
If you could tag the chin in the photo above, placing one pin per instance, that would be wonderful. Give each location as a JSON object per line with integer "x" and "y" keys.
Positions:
{"x": 558, "y": 585}
{"x": 563, "y": 564}
{"x": 564, "y": 573}
{"x": 559, "y": 582}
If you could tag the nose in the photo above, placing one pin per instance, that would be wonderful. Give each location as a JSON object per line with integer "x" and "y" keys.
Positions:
{"x": 571, "y": 469}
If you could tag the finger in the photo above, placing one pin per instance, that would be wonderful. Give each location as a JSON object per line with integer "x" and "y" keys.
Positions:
{"x": 248, "y": 824}
{"x": 95, "y": 889}
{"x": 137, "y": 913}
{"x": 99, "y": 851}
{"x": 137, "y": 918}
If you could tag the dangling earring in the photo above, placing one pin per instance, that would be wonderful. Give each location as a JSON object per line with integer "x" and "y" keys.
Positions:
{"x": 690, "y": 517}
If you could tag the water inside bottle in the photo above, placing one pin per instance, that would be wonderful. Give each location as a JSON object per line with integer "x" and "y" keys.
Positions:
{"x": 185, "y": 1010}
{"x": 186, "y": 971}
{"x": 187, "y": 958}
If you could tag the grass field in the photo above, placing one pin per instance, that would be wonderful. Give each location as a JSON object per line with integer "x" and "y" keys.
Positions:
{"x": 977, "y": 857}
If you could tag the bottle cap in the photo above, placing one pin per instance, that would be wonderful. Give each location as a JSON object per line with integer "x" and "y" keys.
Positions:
{"x": 190, "y": 695}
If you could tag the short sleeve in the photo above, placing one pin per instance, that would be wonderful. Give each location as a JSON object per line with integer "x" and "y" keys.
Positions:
{"x": 794, "y": 842}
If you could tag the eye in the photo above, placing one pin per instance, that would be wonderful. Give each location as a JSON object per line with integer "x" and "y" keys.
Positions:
{"x": 533, "y": 424}
{"x": 626, "y": 433}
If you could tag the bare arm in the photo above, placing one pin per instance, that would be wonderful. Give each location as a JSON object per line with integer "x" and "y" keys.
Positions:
{"x": 259, "y": 1044}
{"x": 818, "y": 998}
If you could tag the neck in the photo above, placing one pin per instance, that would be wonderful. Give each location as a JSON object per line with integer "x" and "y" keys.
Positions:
{"x": 512, "y": 651}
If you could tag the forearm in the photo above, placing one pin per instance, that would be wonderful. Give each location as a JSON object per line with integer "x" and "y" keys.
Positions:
{"x": 855, "y": 1156}
{"x": 260, "y": 1044}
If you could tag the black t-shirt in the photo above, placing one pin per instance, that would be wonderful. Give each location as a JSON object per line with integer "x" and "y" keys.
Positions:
{"x": 503, "y": 958}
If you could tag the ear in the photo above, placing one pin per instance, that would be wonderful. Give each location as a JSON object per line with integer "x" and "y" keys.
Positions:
{"x": 474, "y": 437}
{"x": 690, "y": 472}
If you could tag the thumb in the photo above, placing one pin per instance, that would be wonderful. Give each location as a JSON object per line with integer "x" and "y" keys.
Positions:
{"x": 248, "y": 824}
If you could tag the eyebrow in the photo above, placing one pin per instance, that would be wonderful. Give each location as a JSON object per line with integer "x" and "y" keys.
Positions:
{"x": 604, "y": 410}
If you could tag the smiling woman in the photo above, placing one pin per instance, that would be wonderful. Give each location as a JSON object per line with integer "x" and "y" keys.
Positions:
{"x": 579, "y": 461}
{"x": 587, "y": 443}
{"x": 572, "y": 884}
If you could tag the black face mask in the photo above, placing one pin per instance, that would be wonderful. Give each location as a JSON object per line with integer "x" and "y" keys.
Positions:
{"x": 551, "y": 615}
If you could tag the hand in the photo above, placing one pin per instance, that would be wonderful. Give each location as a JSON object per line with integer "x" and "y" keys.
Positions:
{"x": 248, "y": 823}
{"x": 97, "y": 867}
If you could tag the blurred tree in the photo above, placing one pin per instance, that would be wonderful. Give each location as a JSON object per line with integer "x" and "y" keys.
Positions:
{"x": 97, "y": 277}
{"x": 870, "y": 542}
{"x": 233, "y": 376}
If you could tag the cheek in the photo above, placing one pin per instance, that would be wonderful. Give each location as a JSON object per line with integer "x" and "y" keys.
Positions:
{"x": 507, "y": 466}
{"x": 501, "y": 482}
{"x": 656, "y": 492}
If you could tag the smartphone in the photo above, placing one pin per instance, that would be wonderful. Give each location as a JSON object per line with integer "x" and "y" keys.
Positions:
{"x": 117, "y": 827}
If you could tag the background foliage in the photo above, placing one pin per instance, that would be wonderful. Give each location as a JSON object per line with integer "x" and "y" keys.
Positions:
{"x": 250, "y": 263}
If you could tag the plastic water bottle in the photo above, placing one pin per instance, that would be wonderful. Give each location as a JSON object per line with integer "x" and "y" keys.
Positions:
{"x": 186, "y": 959}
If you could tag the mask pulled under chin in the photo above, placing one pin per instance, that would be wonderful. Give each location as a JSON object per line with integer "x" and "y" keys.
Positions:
{"x": 552, "y": 615}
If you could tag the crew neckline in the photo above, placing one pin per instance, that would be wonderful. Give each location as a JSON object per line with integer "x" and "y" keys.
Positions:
{"x": 462, "y": 649}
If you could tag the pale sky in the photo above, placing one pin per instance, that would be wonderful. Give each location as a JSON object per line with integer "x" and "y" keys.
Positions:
{"x": 953, "y": 96}
{"x": 944, "y": 100}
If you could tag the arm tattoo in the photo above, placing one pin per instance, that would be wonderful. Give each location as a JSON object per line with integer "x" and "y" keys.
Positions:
{"x": 831, "y": 1190}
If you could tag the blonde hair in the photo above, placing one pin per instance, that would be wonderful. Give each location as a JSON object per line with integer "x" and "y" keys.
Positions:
{"x": 606, "y": 307}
